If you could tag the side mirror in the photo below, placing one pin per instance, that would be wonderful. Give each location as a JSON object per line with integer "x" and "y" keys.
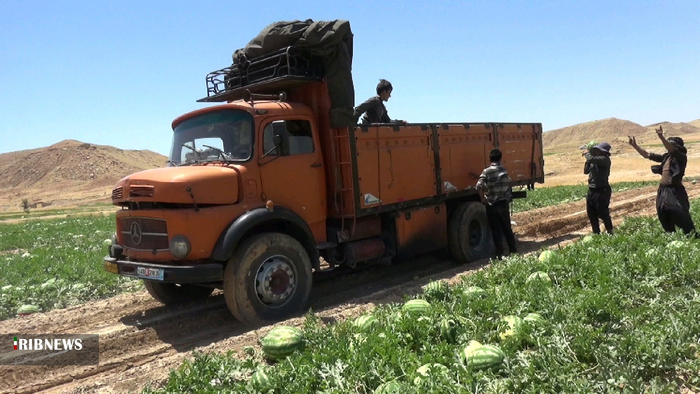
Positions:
{"x": 281, "y": 142}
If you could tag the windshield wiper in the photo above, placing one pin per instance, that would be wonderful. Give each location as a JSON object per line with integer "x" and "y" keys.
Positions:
{"x": 195, "y": 153}
{"x": 217, "y": 150}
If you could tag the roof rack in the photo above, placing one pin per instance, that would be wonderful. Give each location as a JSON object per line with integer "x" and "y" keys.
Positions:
{"x": 283, "y": 69}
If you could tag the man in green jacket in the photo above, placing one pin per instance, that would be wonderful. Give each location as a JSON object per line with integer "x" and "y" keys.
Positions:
{"x": 599, "y": 193}
{"x": 374, "y": 109}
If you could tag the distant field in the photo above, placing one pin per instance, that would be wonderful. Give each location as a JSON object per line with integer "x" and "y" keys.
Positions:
{"x": 546, "y": 196}
{"x": 44, "y": 212}
{"x": 55, "y": 263}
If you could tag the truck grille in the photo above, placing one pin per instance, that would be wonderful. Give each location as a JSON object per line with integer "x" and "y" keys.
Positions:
{"x": 141, "y": 191}
{"x": 145, "y": 234}
{"x": 118, "y": 193}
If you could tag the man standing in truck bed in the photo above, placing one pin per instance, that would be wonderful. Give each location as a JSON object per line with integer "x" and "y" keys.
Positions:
{"x": 672, "y": 205}
{"x": 598, "y": 199}
{"x": 495, "y": 192}
{"x": 374, "y": 109}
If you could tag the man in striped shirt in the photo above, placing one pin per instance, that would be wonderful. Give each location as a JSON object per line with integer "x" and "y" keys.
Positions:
{"x": 495, "y": 192}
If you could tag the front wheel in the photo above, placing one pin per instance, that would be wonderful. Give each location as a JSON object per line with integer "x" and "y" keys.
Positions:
{"x": 267, "y": 278}
{"x": 175, "y": 294}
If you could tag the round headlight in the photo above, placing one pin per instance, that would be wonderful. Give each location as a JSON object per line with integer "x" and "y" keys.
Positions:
{"x": 180, "y": 246}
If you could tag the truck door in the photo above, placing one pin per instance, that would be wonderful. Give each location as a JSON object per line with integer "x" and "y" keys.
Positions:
{"x": 294, "y": 177}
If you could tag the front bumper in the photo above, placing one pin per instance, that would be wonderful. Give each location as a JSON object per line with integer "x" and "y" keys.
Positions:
{"x": 202, "y": 273}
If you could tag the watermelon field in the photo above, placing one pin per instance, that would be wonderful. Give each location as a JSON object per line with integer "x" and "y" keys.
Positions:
{"x": 596, "y": 314}
{"x": 605, "y": 314}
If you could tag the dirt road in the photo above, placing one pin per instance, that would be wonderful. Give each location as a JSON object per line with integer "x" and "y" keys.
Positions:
{"x": 140, "y": 340}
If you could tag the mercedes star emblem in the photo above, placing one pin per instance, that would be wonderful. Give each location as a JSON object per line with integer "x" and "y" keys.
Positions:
{"x": 135, "y": 231}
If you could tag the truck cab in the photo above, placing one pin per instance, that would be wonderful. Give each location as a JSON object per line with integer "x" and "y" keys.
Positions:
{"x": 234, "y": 171}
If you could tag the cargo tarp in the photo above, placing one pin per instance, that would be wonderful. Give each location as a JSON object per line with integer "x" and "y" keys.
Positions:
{"x": 331, "y": 41}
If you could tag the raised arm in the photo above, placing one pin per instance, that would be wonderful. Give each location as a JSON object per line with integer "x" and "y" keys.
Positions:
{"x": 669, "y": 146}
{"x": 633, "y": 142}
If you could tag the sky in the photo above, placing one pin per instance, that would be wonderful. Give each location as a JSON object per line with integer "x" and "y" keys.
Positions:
{"x": 119, "y": 72}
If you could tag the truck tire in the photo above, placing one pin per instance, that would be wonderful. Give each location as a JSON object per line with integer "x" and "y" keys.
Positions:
{"x": 267, "y": 278}
{"x": 469, "y": 234}
{"x": 175, "y": 294}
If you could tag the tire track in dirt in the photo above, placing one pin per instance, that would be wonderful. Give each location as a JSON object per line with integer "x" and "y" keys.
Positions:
{"x": 141, "y": 340}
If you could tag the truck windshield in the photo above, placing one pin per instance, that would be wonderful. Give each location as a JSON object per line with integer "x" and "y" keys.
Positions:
{"x": 225, "y": 135}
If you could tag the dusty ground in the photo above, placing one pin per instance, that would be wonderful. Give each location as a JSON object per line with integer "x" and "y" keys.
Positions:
{"x": 140, "y": 340}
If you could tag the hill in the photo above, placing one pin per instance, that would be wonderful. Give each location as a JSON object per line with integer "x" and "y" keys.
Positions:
{"x": 68, "y": 172}
{"x": 612, "y": 130}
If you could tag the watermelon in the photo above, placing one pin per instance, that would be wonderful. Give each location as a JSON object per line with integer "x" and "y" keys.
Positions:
{"x": 591, "y": 144}
{"x": 437, "y": 289}
{"x": 546, "y": 256}
{"x": 482, "y": 357}
{"x": 416, "y": 306}
{"x": 534, "y": 319}
{"x": 391, "y": 387}
{"x": 448, "y": 330}
{"x": 260, "y": 380}
{"x": 28, "y": 310}
{"x": 539, "y": 276}
{"x": 51, "y": 283}
{"x": 676, "y": 244}
{"x": 434, "y": 287}
{"x": 474, "y": 291}
{"x": 365, "y": 322}
{"x": 587, "y": 239}
{"x": 514, "y": 325}
{"x": 282, "y": 341}
{"x": 426, "y": 370}
{"x": 472, "y": 345}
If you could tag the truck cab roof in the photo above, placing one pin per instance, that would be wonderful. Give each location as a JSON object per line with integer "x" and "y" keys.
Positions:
{"x": 255, "y": 108}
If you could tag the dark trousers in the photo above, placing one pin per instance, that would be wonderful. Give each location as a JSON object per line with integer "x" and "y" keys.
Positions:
{"x": 598, "y": 208}
{"x": 499, "y": 221}
{"x": 673, "y": 209}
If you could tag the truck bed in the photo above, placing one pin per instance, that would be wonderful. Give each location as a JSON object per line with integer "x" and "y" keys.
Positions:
{"x": 381, "y": 168}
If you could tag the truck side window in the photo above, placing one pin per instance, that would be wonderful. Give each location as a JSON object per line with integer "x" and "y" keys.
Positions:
{"x": 298, "y": 131}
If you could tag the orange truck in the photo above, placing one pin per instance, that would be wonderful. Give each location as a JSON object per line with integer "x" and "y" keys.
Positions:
{"x": 265, "y": 189}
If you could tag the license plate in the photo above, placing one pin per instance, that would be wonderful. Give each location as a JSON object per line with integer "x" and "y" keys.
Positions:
{"x": 111, "y": 267}
{"x": 149, "y": 273}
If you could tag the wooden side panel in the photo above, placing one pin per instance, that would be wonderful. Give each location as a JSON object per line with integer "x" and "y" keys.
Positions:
{"x": 406, "y": 164}
{"x": 421, "y": 230}
{"x": 367, "y": 166}
{"x": 520, "y": 147}
{"x": 464, "y": 153}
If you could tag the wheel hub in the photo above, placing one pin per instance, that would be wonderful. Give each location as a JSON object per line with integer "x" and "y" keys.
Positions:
{"x": 475, "y": 233}
{"x": 276, "y": 280}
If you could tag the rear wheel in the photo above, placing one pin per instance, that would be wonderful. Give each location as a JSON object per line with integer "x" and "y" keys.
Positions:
{"x": 267, "y": 278}
{"x": 174, "y": 294}
{"x": 469, "y": 233}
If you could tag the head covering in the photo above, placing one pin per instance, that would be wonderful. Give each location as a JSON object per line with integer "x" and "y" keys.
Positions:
{"x": 603, "y": 147}
{"x": 677, "y": 143}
